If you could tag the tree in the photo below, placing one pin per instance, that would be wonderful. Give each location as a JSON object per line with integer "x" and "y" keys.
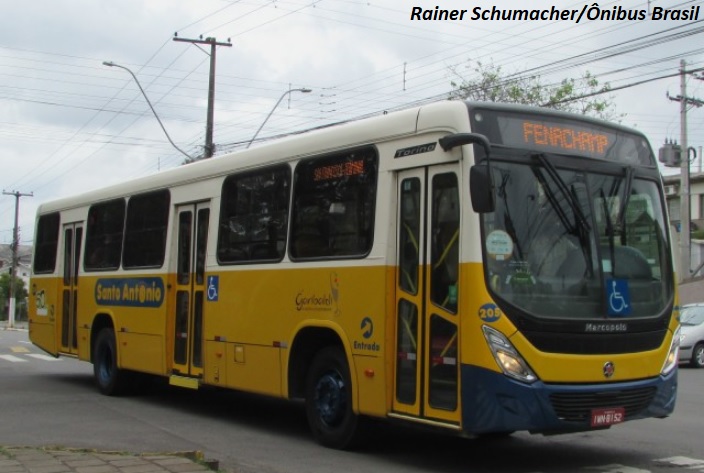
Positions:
{"x": 20, "y": 293}
{"x": 490, "y": 84}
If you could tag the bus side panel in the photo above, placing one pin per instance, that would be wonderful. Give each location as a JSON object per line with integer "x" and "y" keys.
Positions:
{"x": 42, "y": 314}
{"x": 478, "y": 309}
{"x": 84, "y": 342}
{"x": 137, "y": 305}
{"x": 257, "y": 313}
{"x": 215, "y": 372}
{"x": 141, "y": 352}
{"x": 372, "y": 388}
{"x": 254, "y": 368}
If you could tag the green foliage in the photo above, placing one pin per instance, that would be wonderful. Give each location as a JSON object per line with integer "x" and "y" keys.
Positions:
{"x": 490, "y": 84}
{"x": 20, "y": 293}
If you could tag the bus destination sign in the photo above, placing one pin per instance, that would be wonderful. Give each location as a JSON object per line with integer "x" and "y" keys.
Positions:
{"x": 565, "y": 137}
{"x": 562, "y": 135}
{"x": 336, "y": 171}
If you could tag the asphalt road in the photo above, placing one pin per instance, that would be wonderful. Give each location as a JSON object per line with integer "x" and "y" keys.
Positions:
{"x": 45, "y": 401}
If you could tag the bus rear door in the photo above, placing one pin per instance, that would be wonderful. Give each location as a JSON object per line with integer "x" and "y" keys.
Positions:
{"x": 426, "y": 363}
{"x": 186, "y": 313}
{"x": 68, "y": 338}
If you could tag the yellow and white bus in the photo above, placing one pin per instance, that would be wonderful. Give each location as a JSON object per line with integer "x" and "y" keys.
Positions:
{"x": 476, "y": 267}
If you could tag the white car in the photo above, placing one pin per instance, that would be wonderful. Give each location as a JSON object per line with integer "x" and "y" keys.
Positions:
{"x": 692, "y": 336}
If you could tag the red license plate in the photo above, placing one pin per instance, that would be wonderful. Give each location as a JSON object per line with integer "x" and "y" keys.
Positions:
{"x": 608, "y": 416}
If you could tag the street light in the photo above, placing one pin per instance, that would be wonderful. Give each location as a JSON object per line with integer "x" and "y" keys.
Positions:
{"x": 303, "y": 90}
{"x": 112, "y": 64}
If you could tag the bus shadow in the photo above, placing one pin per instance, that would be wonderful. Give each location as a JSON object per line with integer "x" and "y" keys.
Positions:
{"x": 398, "y": 444}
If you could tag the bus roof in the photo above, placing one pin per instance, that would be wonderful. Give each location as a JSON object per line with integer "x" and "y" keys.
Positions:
{"x": 437, "y": 115}
{"x": 318, "y": 141}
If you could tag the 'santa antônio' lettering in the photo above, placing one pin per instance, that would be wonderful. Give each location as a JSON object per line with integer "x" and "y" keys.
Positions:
{"x": 129, "y": 292}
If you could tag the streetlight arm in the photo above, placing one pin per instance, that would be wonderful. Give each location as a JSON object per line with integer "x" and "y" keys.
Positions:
{"x": 305, "y": 91}
{"x": 112, "y": 64}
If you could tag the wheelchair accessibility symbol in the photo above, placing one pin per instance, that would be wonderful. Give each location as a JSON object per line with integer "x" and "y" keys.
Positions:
{"x": 213, "y": 287}
{"x": 619, "y": 298}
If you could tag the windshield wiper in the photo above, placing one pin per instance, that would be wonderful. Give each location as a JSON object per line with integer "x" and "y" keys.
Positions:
{"x": 580, "y": 219}
{"x": 620, "y": 221}
{"x": 609, "y": 231}
{"x": 508, "y": 221}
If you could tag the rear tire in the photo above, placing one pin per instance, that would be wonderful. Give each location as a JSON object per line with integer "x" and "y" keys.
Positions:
{"x": 110, "y": 380}
{"x": 698, "y": 355}
{"x": 329, "y": 400}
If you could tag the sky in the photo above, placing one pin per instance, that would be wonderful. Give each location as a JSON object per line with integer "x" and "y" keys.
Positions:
{"x": 69, "y": 124}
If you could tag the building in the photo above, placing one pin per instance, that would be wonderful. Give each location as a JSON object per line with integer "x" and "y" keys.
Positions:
{"x": 24, "y": 261}
{"x": 691, "y": 290}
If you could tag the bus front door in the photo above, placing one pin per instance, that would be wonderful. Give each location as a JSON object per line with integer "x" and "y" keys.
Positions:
{"x": 68, "y": 314}
{"x": 187, "y": 310}
{"x": 426, "y": 381}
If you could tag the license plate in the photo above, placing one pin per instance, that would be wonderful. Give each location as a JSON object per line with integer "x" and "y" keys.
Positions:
{"x": 608, "y": 416}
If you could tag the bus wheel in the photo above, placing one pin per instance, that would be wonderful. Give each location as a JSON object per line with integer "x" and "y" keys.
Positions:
{"x": 698, "y": 355}
{"x": 111, "y": 380}
{"x": 329, "y": 400}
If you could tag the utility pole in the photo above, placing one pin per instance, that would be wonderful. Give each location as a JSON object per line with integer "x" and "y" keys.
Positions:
{"x": 209, "y": 147}
{"x": 685, "y": 250}
{"x": 15, "y": 246}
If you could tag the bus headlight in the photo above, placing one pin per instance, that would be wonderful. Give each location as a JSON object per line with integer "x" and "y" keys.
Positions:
{"x": 674, "y": 354}
{"x": 507, "y": 357}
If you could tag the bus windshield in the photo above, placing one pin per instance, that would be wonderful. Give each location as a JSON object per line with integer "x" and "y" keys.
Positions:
{"x": 576, "y": 244}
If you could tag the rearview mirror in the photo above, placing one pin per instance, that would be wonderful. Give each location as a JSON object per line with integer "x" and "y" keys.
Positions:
{"x": 481, "y": 188}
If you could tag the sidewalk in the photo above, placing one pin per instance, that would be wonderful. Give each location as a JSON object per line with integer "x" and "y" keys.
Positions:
{"x": 18, "y": 325}
{"x": 68, "y": 460}
{"x": 65, "y": 460}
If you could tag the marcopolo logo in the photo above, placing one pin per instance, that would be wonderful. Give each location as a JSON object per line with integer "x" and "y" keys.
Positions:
{"x": 130, "y": 292}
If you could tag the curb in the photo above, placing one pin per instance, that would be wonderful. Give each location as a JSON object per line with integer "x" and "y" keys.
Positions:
{"x": 60, "y": 459}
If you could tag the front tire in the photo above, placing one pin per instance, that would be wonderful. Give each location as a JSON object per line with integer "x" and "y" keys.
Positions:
{"x": 329, "y": 400}
{"x": 111, "y": 380}
{"x": 698, "y": 355}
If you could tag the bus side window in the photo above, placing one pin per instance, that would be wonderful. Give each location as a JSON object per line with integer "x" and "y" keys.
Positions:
{"x": 309, "y": 239}
{"x": 145, "y": 230}
{"x": 333, "y": 205}
{"x": 47, "y": 241}
{"x": 104, "y": 232}
{"x": 254, "y": 216}
{"x": 344, "y": 218}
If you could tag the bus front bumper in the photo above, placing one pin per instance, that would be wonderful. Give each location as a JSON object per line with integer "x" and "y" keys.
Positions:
{"x": 493, "y": 402}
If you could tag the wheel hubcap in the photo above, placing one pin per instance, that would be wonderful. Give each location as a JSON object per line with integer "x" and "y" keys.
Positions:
{"x": 330, "y": 399}
{"x": 106, "y": 366}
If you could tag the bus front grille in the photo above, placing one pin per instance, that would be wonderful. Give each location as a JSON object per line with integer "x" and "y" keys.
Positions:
{"x": 577, "y": 407}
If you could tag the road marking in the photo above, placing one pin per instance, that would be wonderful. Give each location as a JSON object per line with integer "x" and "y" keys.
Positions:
{"x": 682, "y": 461}
{"x": 12, "y": 358}
{"x": 616, "y": 468}
{"x": 692, "y": 464}
{"x": 19, "y": 349}
{"x": 39, "y": 356}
